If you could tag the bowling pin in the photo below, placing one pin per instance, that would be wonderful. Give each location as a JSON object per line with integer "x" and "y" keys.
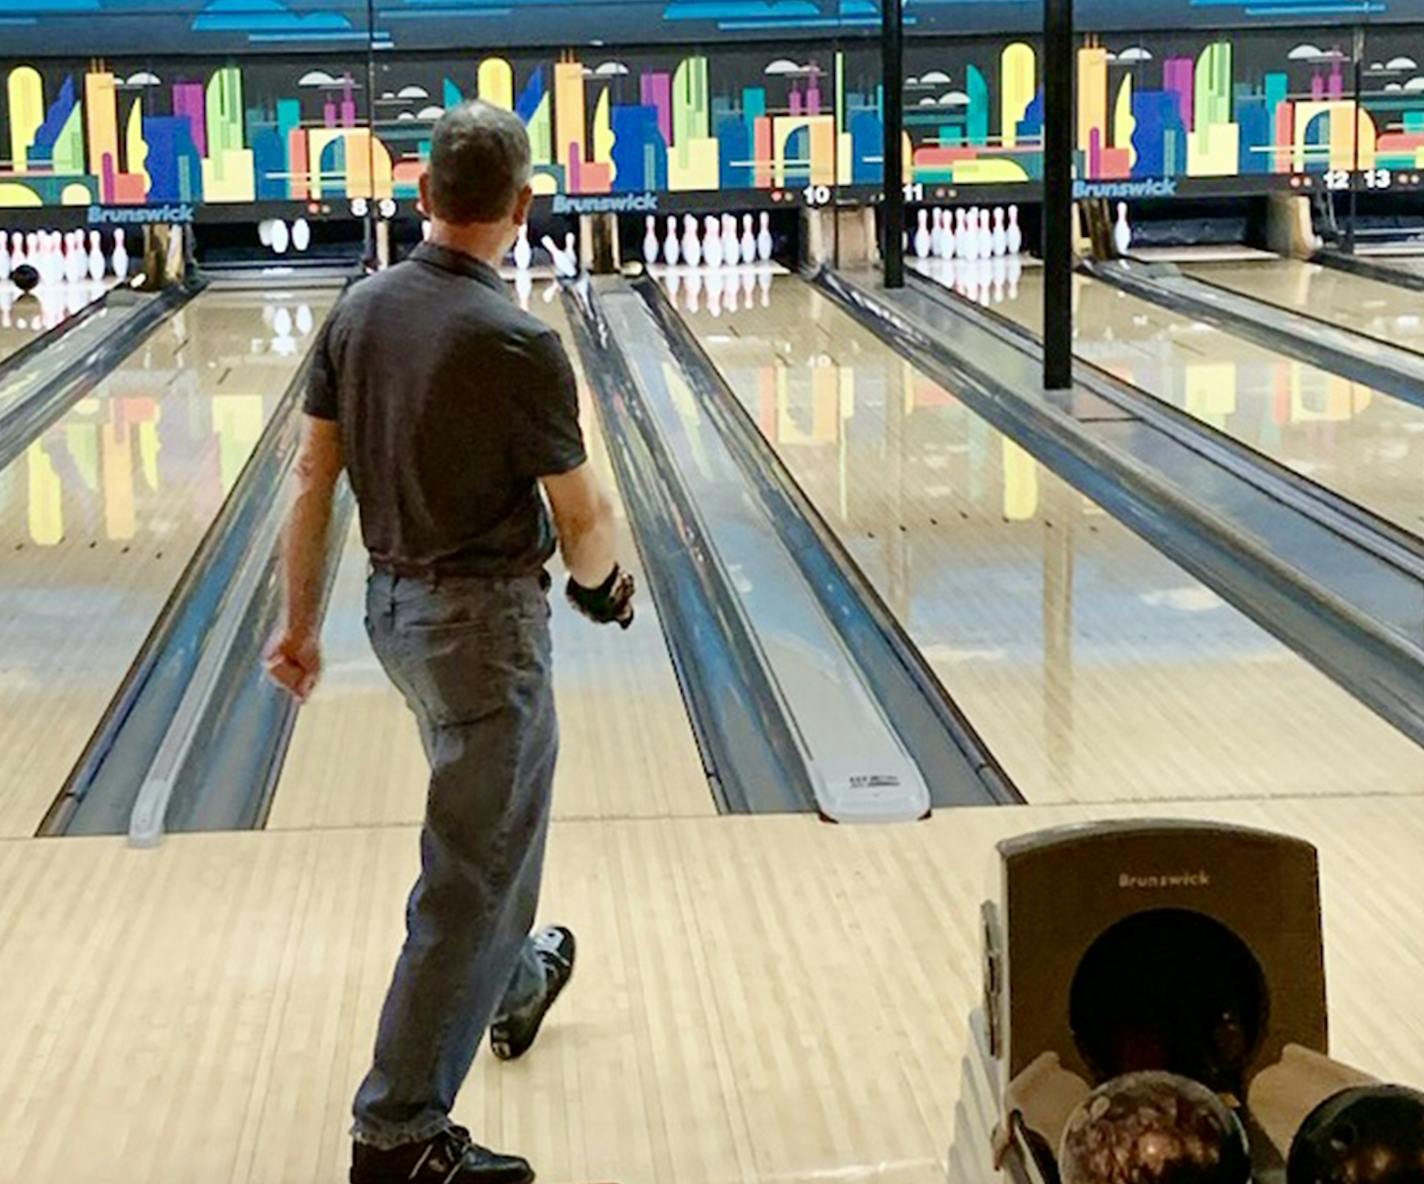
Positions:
{"x": 566, "y": 265}
{"x": 764, "y": 243}
{"x": 749, "y": 245}
{"x": 17, "y": 250}
{"x": 4, "y": 256}
{"x": 924, "y": 240}
{"x": 731, "y": 248}
{"x": 946, "y": 247}
{"x": 572, "y": 251}
{"x": 301, "y": 234}
{"x": 523, "y": 251}
{"x": 672, "y": 252}
{"x": 424, "y": 231}
{"x": 650, "y": 241}
{"x": 264, "y": 232}
{"x": 986, "y": 236}
{"x": 691, "y": 248}
{"x": 523, "y": 288}
{"x": 96, "y": 257}
{"x": 282, "y": 236}
{"x": 1122, "y": 232}
{"x": 1001, "y": 235}
{"x": 712, "y": 251}
{"x": 1014, "y": 232}
{"x": 45, "y": 265}
{"x": 121, "y": 255}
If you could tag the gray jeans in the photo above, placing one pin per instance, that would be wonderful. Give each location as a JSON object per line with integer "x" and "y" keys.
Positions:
{"x": 472, "y": 658}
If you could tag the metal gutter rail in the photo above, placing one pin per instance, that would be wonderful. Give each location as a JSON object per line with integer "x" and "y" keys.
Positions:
{"x": 954, "y": 760}
{"x": 149, "y": 738}
{"x": 750, "y": 753}
{"x": 858, "y": 767}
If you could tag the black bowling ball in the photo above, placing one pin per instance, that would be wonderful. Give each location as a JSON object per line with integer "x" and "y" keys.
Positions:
{"x": 1372, "y": 1134}
{"x": 1154, "y": 1128}
{"x": 25, "y": 277}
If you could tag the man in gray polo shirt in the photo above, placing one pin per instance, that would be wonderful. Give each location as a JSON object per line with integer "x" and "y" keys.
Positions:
{"x": 450, "y": 408}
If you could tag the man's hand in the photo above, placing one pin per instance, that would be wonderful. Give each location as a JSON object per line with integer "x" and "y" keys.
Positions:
{"x": 610, "y": 603}
{"x": 294, "y": 662}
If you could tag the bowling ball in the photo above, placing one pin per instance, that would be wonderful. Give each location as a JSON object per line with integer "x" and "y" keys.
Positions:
{"x": 1372, "y": 1134}
{"x": 1153, "y": 1128}
{"x": 25, "y": 277}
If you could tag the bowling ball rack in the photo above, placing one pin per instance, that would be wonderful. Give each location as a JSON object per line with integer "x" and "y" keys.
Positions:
{"x": 1181, "y": 947}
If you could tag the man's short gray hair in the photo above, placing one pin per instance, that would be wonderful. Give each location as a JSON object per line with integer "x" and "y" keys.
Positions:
{"x": 479, "y": 163}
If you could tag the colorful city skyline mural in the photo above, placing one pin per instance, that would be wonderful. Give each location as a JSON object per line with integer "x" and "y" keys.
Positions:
{"x": 134, "y": 133}
{"x": 113, "y": 28}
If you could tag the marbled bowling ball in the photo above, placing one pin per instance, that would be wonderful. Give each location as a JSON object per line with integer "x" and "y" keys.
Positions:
{"x": 1371, "y": 1134}
{"x": 1154, "y": 1128}
{"x": 25, "y": 277}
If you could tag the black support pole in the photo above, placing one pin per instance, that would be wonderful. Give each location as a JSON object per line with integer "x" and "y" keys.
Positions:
{"x": 1058, "y": 137}
{"x": 892, "y": 72}
{"x": 1359, "y": 55}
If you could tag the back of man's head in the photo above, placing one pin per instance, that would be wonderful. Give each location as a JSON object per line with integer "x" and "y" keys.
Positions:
{"x": 479, "y": 164}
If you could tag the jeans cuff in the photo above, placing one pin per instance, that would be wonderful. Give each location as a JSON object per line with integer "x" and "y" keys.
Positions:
{"x": 385, "y": 1137}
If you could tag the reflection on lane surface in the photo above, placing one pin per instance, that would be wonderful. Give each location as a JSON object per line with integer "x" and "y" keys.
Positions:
{"x": 25, "y": 316}
{"x": 100, "y": 515}
{"x": 1363, "y": 444}
{"x": 1095, "y": 668}
{"x": 1354, "y": 302}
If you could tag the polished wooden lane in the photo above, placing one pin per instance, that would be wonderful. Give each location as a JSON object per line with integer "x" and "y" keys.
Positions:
{"x": 758, "y": 1000}
{"x": 1095, "y": 669}
{"x": 99, "y": 517}
{"x": 627, "y": 749}
{"x": 1359, "y": 442}
{"x": 1369, "y": 306}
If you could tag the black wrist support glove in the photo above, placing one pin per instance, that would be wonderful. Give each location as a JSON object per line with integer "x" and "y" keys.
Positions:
{"x": 610, "y": 603}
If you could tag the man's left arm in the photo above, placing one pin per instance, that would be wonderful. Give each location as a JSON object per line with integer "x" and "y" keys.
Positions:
{"x": 294, "y": 658}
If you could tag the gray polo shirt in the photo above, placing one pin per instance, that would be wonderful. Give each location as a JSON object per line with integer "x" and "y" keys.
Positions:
{"x": 452, "y": 404}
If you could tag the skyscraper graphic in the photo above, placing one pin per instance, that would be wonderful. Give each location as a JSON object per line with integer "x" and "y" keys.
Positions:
{"x": 736, "y": 119}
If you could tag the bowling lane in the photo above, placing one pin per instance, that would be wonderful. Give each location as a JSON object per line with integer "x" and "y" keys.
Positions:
{"x": 1363, "y": 305}
{"x": 100, "y": 515}
{"x": 627, "y": 748}
{"x": 1359, "y": 442}
{"x": 1095, "y": 668}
